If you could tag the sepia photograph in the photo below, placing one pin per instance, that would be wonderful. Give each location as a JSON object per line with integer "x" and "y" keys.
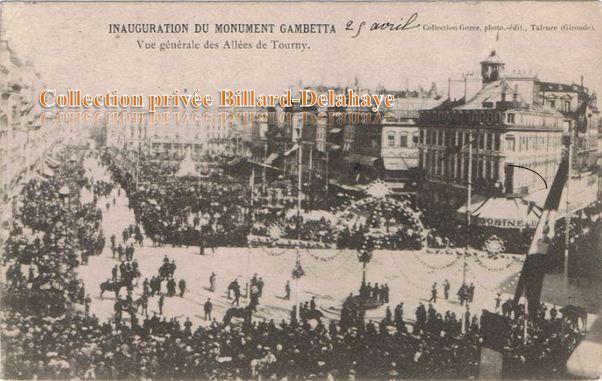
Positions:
{"x": 300, "y": 191}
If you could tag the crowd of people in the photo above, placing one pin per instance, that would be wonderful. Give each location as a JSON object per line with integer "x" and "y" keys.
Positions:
{"x": 182, "y": 210}
{"x": 44, "y": 336}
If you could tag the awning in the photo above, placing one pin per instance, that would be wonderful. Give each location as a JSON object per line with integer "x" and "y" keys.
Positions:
{"x": 271, "y": 159}
{"x": 509, "y": 213}
{"x": 345, "y": 186}
{"x": 399, "y": 163}
{"x": 335, "y": 130}
{"x": 361, "y": 159}
{"x": 293, "y": 149}
{"x": 334, "y": 147}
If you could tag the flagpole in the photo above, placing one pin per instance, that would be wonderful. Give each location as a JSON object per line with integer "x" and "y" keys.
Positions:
{"x": 299, "y": 190}
{"x": 469, "y": 198}
{"x": 265, "y": 158}
{"x": 567, "y": 235}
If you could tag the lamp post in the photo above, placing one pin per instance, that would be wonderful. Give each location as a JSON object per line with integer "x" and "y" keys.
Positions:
{"x": 65, "y": 195}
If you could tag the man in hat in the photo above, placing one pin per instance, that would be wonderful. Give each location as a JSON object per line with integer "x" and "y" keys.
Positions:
{"x": 182, "y": 286}
{"x": 433, "y": 293}
{"x": 446, "y": 288}
{"x": 208, "y": 307}
{"x": 287, "y": 291}
{"x": 212, "y": 282}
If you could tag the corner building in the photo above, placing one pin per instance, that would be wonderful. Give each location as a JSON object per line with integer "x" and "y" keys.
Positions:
{"x": 502, "y": 126}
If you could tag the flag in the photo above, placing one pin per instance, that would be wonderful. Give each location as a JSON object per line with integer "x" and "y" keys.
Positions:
{"x": 538, "y": 261}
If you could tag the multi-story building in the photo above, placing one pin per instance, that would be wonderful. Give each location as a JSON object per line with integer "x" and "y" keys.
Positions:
{"x": 508, "y": 136}
{"x": 385, "y": 145}
{"x": 24, "y": 140}
{"x": 169, "y": 135}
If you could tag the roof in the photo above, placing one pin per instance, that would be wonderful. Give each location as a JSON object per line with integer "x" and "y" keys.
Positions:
{"x": 553, "y": 86}
{"x": 492, "y": 93}
{"x": 493, "y": 58}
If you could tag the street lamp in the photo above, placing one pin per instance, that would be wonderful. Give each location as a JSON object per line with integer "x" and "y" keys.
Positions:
{"x": 65, "y": 195}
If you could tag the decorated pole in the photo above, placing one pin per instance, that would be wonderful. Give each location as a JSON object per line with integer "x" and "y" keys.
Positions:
{"x": 297, "y": 273}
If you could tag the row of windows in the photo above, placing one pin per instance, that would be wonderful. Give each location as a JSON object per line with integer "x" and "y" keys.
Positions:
{"x": 473, "y": 117}
{"x": 565, "y": 105}
{"x": 485, "y": 140}
{"x": 405, "y": 140}
{"x": 436, "y": 164}
{"x": 491, "y": 141}
{"x": 532, "y": 141}
{"x": 177, "y": 146}
{"x": 492, "y": 118}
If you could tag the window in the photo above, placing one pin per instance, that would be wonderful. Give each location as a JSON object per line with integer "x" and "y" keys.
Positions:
{"x": 404, "y": 141}
{"x": 496, "y": 142}
{"x": 552, "y": 104}
{"x": 566, "y": 106}
{"x": 391, "y": 140}
{"x": 510, "y": 118}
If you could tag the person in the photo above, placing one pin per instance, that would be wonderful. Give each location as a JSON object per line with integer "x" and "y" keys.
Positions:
{"x": 87, "y": 303}
{"x": 260, "y": 287}
{"x": 470, "y": 293}
{"x": 254, "y": 297}
{"x": 208, "y": 307}
{"x": 182, "y": 286}
{"x": 386, "y": 293}
{"x": 114, "y": 273}
{"x": 236, "y": 290}
{"x": 462, "y": 294}
{"x": 161, "y": 302}
{"x": 188, "y": 326}
{"x": 433, "y": 293}
{"x": 287, "y": 290}
{"x": 145, "y": 305}
{"x": 446, "y": 288}
{"x": 467, "y": 319}
{"x": 398, "y": 313}
{"x": 312, "y": 304}
{"x": 171, "y": 287}
{"x": 498, "y": 301}
{"x": 201, "y": 242}
{"x": 212, "y": 282}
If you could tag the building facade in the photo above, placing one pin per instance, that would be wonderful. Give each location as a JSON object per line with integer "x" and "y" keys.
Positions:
{"x": 500, "y": 140}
